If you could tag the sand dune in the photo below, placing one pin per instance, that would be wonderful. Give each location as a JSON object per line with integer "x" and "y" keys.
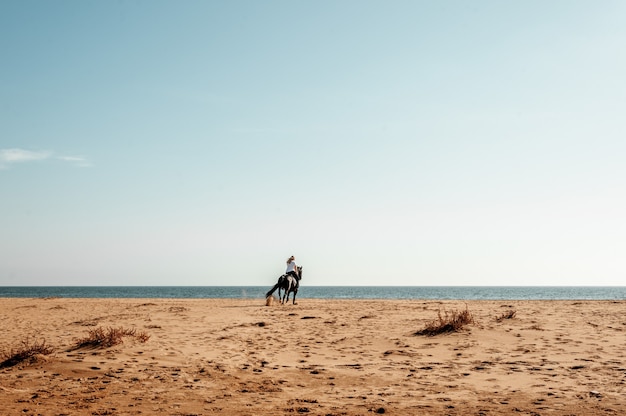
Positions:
{"x": 320, "y": 357}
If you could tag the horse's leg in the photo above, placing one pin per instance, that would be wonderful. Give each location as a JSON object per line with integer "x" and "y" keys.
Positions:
{"x": 288, "y": 289}
{"x": 295, "y": 292}
{"x": 285, "y": 294}
{"x": 281, "y": 279}
{"x": 281, "y": 283}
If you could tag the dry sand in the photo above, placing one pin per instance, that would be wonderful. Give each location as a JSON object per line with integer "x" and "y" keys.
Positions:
{"x": 320, "y": 357}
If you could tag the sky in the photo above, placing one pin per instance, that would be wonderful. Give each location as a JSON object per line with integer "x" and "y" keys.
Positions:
{"x": 381, "y": 143}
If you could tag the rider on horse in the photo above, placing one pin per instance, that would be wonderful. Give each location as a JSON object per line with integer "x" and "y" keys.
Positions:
{"x": 289, "y": 282}
{"x": 292, "y": 269}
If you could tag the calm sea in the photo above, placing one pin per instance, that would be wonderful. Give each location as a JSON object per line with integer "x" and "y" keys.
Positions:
{"x": 325, "y": 292}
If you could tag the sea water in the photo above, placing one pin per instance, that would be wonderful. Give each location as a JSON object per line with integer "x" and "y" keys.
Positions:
{"x": 326, "y": 292}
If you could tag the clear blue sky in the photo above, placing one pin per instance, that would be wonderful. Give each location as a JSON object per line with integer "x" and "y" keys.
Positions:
{"x": 381, "y": 143}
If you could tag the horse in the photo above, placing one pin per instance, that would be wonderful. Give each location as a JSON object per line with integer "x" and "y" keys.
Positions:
{"x": 289, "y": 284}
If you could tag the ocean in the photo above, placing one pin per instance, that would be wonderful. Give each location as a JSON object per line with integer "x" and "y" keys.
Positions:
{"x": 326, "y": 292}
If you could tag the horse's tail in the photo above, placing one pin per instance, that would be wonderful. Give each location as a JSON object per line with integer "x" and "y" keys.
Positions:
{"x": 272, "y": 290}
{"x": 276, "y": 286}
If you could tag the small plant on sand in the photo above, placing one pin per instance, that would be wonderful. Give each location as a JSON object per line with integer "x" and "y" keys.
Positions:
{"x": 452, "y": 321}
{"x": 27, "y": 351}
{"x": 142, "y": 337}
{"x": 506, "y": 315}
{"x": 103, "y": 338}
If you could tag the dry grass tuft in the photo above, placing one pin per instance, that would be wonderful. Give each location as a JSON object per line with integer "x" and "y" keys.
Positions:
{"x": 142, "y": 337}
{"x": 452, "y": 321}
{"x": 103, "y": 338}
{"x": 506, "y": 315}
{"x": 25, "y": 352}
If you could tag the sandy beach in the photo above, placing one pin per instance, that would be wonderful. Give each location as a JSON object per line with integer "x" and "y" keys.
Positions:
{"x": 319, "y": 357}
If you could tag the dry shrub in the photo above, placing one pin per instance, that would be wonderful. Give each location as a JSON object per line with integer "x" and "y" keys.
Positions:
{"x": 506, "y": 315}
{"x": 452, "y": 321}
{"x": 103, "y": 338}
{"x": 25, "y": 352}
{"x": 142, "y": 337}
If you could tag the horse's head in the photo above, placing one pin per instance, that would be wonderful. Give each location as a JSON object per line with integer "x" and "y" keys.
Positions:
{"x": 299, "y": 272}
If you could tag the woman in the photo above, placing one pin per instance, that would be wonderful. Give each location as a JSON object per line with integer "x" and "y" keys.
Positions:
{"x": 291, "y": 267}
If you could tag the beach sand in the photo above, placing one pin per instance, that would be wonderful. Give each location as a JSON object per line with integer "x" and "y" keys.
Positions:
{"x": 319, "y": 357}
